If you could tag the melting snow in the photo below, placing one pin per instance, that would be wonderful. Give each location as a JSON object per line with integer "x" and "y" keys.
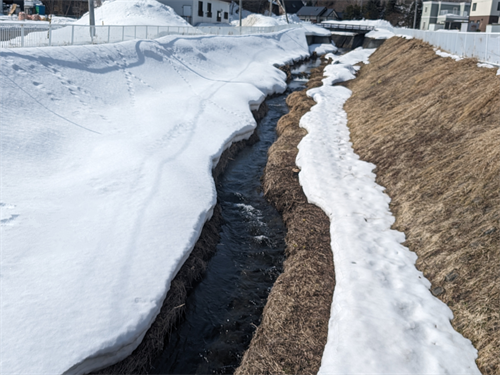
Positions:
{"x": 384, "y": 320}
{"x": 107, "y": 152}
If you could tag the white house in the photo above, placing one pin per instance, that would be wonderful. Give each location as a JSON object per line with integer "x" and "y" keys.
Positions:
{"x": 204, "y": 11}
{"x": 484, "y": 12}
{"x": 443, "y": 15}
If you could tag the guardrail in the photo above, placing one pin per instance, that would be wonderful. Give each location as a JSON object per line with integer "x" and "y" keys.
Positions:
{"x": 347, "y": 27}
{"x": 483, "y": 46}
{"x": 39, "y": 35}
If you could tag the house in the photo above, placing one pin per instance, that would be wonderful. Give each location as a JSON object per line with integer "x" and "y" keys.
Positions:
{"x": 201, "y": 11}
{"x": 311, "y": 14}
{"x": 484, "y": 12}
{"x": 444, "y": 15}
{"x": 329, "y": 15}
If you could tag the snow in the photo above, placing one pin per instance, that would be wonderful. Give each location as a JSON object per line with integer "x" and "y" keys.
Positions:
{"x": 259, "y": 20}
{"x": 322, "y": 49}
{"x": 446, "y": 54}
{"x": 380, "y": 34}
{"x": 136, "y": 12}
{"x": 384, "y": 320}
{"x": 112, "y": 12}
{"x": 107, "y": 152}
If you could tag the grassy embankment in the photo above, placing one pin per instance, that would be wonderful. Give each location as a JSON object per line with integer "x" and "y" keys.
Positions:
{"x": 431, "y": 125}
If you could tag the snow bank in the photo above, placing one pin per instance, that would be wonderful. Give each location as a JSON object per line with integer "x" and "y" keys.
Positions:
{"x": 322, "y": 49}
{"x": 384, "y": 319}
{"x": 259, "y": 20}
{"x": 136, "y": 12}
{"x": 380, "y": 34}
{"x": 112, "y": 12}
{"x": 446, "y": 54}
{"x": 106, "y": 182}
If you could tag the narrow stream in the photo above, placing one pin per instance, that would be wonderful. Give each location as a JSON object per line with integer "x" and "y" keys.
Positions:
{"x": 225, "y": 308}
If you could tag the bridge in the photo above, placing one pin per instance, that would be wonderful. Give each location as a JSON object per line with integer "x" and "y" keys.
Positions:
{"x": 356, "y": 29}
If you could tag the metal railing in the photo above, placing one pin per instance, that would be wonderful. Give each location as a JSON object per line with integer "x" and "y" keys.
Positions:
{"x": 346, "y": 27}
{"x": 39, "y": 35}
{"x": 483, "y": 46}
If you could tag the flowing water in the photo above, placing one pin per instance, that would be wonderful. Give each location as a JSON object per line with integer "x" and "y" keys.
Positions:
{"x": 225, "y": 308}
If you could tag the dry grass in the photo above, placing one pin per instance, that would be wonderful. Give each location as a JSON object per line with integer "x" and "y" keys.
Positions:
{"x": 432, "y": 127}
{"x": 293, "y": 332}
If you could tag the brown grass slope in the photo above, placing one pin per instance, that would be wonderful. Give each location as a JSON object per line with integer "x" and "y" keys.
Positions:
{"x": 293, "y": 332}
{"x": 432, "y": 127}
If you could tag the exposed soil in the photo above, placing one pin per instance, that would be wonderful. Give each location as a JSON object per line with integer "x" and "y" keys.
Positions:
{"x": 172, "y": 311}
{"x": 294, "y": 328}
{"x": 431, "y": 125}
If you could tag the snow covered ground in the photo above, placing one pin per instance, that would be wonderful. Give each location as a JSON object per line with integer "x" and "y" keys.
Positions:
{"x": 384, "y": 320}
{"x": 112, "y": 12}
{"x": 106, "y": 158}
{"x": 261, "y": 20}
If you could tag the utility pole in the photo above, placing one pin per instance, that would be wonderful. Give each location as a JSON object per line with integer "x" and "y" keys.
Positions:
{"x": 282, "y": 2}
{"x": 270, "y": 8}
{"x": 415, "y": 15}
{"x": 91, "y": 19}
{"x": 240, "y": 10}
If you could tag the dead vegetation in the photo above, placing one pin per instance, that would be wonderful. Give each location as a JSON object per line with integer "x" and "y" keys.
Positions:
{"x": 293, "y": 332}
{"x": 431, "y": 125}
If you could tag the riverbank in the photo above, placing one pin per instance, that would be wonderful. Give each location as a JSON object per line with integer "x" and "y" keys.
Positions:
{"x": 298, "y": 307}
{"x": 173, "y": 309}
{"x": 431, "y": 126}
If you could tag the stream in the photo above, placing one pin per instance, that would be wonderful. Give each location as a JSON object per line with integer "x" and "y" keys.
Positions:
{"x": 225, "y": 308}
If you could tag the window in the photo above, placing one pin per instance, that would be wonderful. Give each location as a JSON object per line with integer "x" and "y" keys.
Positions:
{"x": 209, "y": 10}
{"x": 498, "y": 6}
{"x": 226, "y": 15}
{"x": 219, "y": 15}
{"x": 474, "y": 5}
{"x": 425, "y": 10}
{"x": 423, "y": 27}
{"x": 200, "y": 8}
{"x": 455, "y": 10}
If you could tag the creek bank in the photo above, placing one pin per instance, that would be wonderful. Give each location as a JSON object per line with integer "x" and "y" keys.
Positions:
{"x": 294, "y": 328}
{"x": 431, "y": 126}
{"x": 141, "y": 361}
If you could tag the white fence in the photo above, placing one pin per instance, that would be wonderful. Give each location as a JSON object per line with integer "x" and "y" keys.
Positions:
{"x": 39, "y": 35}
{"x": 483, "y": 46}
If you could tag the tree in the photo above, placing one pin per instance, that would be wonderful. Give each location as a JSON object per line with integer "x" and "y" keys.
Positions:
{"x": 373, "y": 10}
{"x": 409, "y": 14}
{"x": 390, "y": 7}
{"x": 353, "y": 12}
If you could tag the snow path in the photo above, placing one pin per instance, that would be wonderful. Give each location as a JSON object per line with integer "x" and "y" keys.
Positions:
{"x": 384, "y": 319}
{"x": 106, "y": 158}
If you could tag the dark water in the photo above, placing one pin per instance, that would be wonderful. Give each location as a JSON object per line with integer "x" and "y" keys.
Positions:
{"x": 224, "y": 310}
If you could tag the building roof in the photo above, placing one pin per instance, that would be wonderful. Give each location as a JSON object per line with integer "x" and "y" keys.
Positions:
{"x": 329, "y": 13}
{"x": 311, "y": 11}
